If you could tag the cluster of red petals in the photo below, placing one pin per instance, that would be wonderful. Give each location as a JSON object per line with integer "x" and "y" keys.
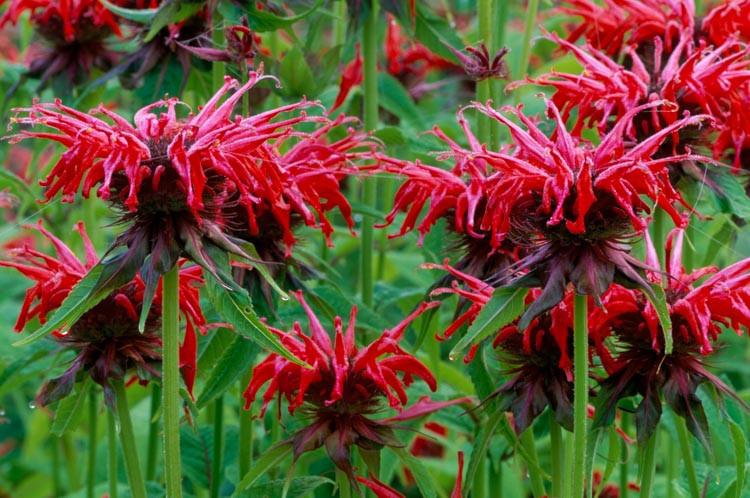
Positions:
{"x": 544, "y": 342}
{"x": 72, "y": 17}
{"x": 728, "y": 20}
{"x": 341, "y": 372}
{"x": 242, "y": 151}
{"x": 638, "y": 363}
{"x": 616, "y": 23}
{"x": 699, "y": 313}
{"x": 55, "y": 276}
{"x": 696, "y": 78}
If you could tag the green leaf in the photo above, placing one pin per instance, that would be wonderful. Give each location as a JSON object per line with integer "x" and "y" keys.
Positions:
{"x": 396, "y": 100}
{"x": 70, "y": 410}
{"x": 298, "y": 486}
{"x": 236, "y": 307}
{"x": 233, "y": 363}
{"x": 482, "y": 445}
{"x": 81, "y": 299}
{"x": 269, "y": 459}
{"x": 659, "y": 301}
{"x": 264, "y": 20}
{"x": 425, "y": 481}
{"x": 740, "y": 456}
{"x": 258, "y": 264}
{"x": 434, "y": 32}
{"x": 171, "y": 12}
{"x": 732, "y": 197}
{"x": 504, "y": 307}
{"x": 295, "y": 74}
{"x": 143, "y": 16}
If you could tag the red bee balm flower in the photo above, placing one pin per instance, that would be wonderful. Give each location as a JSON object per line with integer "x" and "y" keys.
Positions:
{"x": 728, "y": 20}
{"x": 106, "y": 338}
{"x": 569, "y": 206}
{"x": 345, "y": 386}
{"x": 639, "y": 364}
{"x": 618, "y": 23}
{"x": 695, "y": 78}
{"x": 180, "y": 183}
{"x": 537, "y": 358}
{"x": 74, "y": 32}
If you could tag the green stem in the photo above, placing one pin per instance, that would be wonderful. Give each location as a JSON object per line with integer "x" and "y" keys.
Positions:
{"x": 557, "y": 455}
{"x": 342, "y": 481}
{"x": 537, "y": 482}
{"x": 112, "y": 454}
{"x": 688, "y": 252}
{"x": 684, "y": 440}
{"x": 55, "y": 449}
{"x": 216, "y": 463}
{"x": 496, "y": 85}
{"x": 153, "y": 433}
{"x": 659, "y": 234}
{"x": 71, "y": 463}
{"x": 127, "y": 441}
{"x": 670, "y": 464}
{"x": 523, "y": 63}
{"x": 648, "y": 466}
{"x": 370, "y": 51}
{"x": 245, "y": 430}
{"x": 567, "y": 475}
{"x": 91, "y": 471}
{"x": 624, "y": 465}
{"x": 485, "y": 10}
{"x": 479, "y": 488}
{"x": 581, "y": 395}
{"x": 171, "y": 402}
{"x": 339, "y": 23}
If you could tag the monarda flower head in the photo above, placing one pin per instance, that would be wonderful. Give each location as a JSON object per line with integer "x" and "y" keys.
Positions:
{"x": 179, "y": 183}
{"x": 345, "y": 389}
{"x": 106, "y": 339}
{"x": 73, "y": 33}
{"x": 536, "y": 358}
{"x": 728, "y": 20}
{"x": 697, "y": 79}
{"x": 618, "y": 23}
{"x": 632, "y": 343}
{"x": 460, "y": 195}
{"x": 573, "y": 207}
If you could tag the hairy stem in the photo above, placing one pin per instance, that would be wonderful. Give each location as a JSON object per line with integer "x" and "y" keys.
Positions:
{"x": 216, "y": 461}
{"x": 684, "y": 440}
{"x": 127, "y": 441}
{"x": 91, "y": 471}
{"x": 580, "y": 394}
{"x": 537, "y": 481}
{"x": 557, "y": 451}
{"x": 648, "y": 466}
{"x": 245, "y": 430}
{"x": 112, "y": 454}
{"x": 370, "y": 51}
{"x": 153, "y": 433}
{"x": 171, "y": 402}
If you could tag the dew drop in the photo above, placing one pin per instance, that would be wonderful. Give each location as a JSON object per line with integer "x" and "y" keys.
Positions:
{"x": 32, "y": 405}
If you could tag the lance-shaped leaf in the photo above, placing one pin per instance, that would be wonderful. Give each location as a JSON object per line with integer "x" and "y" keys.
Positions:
{"x": 270, "y": 459}
{"x": 143, "y": 16}
{"x": 236, "y": 307}
{"x": 659, "y": 301}
{"x": 504, "y": 307}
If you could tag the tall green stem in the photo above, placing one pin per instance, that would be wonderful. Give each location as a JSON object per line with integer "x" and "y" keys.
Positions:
{"x": 339, "y": 23}
{"x": 485, "y": 11}
{"x": 687, "y": 455}
{"x": 659, "y": 233}
{"x": 624, "y": 465}
{"x": 537, "y": 482}
{"x": 581, "y": 395}
{"x": 528, "y": 30}
{"x": 55, "y": 450}
{"x": 91, "y": 471}
{"x": 127, "y": 441}
{"x": 246, "y": 430}
{"x": 648, "y": 466}
{"x": 496, "y": 85}
{"x": 370, "y": 51}
{"x": 153, "y": 433}
{"x": 557, "y": 452}
{"x": 479, "y": 486}
{"x": 171, "y": 402}
{"x": 342, "y": 481}
{"x": 112, "y": 454}
{"x": 216, "y": 463}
